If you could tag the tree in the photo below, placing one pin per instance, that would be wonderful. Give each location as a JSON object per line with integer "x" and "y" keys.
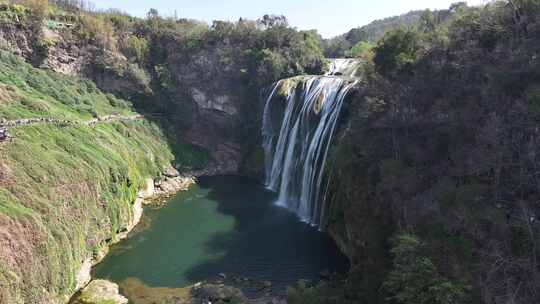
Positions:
{"x": 362, "y": 49}
{"x": 153, "y": 20}
{"x": 397, "y": 50}
{"x": 152, "y": 14}
{"x": 271, "y": 65}
{"x": 137, "y": 48}
{"x": 458, "y": 6}
{"x": 273, "y": 20}
{"x": 39, "y": 7}
{"x": 428, "y": 22}
{"x": 414, "y": 278}
{"x": 335, "y": 47}
{"x": 99, "y": 30}
{"x": 307, "y": 52}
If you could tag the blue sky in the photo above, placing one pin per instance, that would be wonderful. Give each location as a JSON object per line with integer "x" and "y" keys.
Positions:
{"x": 329, "y": 17}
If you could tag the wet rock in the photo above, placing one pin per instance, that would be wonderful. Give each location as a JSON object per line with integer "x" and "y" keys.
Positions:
{"x": 148, "y": 189}
{"x": 101, "y": 291}
{"x": 171, "y": 172}
{"x": 325, "y": 274}
{"x": 213, "y": 293}
{"x": 220, "y": 103}
{"x": 83, "y": 275}
{"x": 173, "y": 185}
{"x": 140, "y": 293}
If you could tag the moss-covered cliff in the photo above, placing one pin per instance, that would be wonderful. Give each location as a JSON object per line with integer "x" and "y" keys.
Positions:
{"x": 66, "y": 188}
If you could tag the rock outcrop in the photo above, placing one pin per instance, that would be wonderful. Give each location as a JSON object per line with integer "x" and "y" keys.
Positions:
{"x": 221, "y": 103}
{"x": 202, "y": 292}
{"x": 16, "y": 40}
{"x": 100, "y": 291}
{"x": 170, "y": 185}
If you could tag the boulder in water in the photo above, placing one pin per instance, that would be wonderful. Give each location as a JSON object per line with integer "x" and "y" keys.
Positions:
{"x": 215, "y": 293}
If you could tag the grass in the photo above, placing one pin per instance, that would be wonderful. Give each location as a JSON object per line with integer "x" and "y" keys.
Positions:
{"x": 67, "y": 190}
{"x": 26, "y": 92}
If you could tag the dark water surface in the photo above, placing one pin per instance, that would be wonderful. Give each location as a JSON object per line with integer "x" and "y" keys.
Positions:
{"x": 225, "y": 225}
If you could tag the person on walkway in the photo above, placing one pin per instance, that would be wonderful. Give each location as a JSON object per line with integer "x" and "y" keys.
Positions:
{"x": 3, "y": 135}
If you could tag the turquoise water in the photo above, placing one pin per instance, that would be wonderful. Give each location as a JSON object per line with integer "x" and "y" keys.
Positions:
{"x": 222, "y": 225}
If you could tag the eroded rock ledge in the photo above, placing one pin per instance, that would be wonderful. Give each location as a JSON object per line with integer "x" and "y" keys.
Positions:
{"x": 215, "y": 292}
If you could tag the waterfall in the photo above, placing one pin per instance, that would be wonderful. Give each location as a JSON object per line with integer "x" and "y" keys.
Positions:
{"x": 344, "y": 67}
{"x": 299, "y": 120}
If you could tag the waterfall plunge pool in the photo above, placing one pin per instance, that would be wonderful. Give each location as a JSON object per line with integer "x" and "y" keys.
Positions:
{"x": 224, "y": 224}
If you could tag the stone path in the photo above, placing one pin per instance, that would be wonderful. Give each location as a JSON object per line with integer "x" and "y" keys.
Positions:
{"x": 7, "y": 124}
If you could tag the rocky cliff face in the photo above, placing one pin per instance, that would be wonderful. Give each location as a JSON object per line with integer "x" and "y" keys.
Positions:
{"x": 208, "y": 102}
{"x": 16, "y": 40}
{"x": 212, "y": 103}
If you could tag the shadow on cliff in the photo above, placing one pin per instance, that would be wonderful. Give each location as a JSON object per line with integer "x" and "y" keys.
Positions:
{"x": 269, "y": 243}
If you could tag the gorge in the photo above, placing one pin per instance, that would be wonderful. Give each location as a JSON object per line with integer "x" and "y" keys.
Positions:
{"x": 402, "y": 171}
{"x": 235, "y": 228}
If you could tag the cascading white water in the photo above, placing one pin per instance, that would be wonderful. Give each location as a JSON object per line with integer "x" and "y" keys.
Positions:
{"x": 344, "y": 67}
{"x": 296, "y": 147}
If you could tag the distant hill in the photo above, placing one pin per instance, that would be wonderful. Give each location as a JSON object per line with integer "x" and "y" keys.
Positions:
{"x": 375, "y": 30}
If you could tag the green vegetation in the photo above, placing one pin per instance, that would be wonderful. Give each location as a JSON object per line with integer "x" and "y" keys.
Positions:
{"x": 301, "y": 294}
{"x": 397, "y": 50}
{"x": 159, "y": 63}
{"x": 137, "y": 48}
{"x": 433, "y": 178}
{"x": 414, "y": 278}
{"x": 362, "y": 49}
{"x": 345, "y": 44}
{"x": 26, "y": 92}
{"x": 154, "y": 39}
{"x": 342, "y": 45}
{"x": 65, "y": 190}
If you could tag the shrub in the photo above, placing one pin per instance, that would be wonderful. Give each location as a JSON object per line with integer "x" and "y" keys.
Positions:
{"x": 137, "y": 48}
{"x": 164, "y": 76}
{"x": 397, "y": 50}
{"x": 301, "y": 294}
{"x": 136, "y": 73}
{"x": 362, "y": 50}
{"x": 270, "y": 65}
{"x": 533, "y": 98}
{"x": 99, "y": 30}
{"x": 414, "y": 278}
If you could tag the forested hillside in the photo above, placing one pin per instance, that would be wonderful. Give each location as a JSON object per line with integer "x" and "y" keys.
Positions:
{"x": 435, "y": 188}
{"x": 371, "y": 33}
